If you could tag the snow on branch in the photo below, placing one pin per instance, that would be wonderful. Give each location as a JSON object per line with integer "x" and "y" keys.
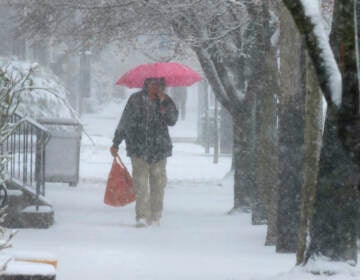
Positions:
{"x": 308, "y": 18}
{"x": 312, "y": 10}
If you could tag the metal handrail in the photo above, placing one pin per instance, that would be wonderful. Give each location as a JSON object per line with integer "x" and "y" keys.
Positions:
{"x": 36, "y": 124}
{"x": 59, "y": 121}
{"x": 25, "y": 147}
{"x": 3, "y": 195}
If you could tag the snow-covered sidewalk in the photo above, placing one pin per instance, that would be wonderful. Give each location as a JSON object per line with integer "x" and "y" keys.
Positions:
{"x": 196, "y": 239}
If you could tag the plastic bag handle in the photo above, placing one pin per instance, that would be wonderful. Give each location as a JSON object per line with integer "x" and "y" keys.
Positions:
{"x": 119, "y": 161}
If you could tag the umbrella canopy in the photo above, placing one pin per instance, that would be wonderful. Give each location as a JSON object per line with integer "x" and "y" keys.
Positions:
{"x": 175, "y": 75}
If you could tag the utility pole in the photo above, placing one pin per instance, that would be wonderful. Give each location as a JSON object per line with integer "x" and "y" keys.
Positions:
{"x": 216, "y": 132}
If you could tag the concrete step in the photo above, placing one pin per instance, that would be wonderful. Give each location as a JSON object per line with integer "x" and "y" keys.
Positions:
{"x": 15, "y": 200}
{"x": 31, "y": 217}
{"x": 30, "y": 194}
{"x": 26, "y": 209}
{"x": 23, "y": 270}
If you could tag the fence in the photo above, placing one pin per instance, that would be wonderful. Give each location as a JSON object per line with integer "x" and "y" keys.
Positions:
{"x": 25, "y": 149}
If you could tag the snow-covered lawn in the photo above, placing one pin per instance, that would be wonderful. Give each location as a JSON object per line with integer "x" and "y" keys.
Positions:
{"x": 196, "y": 238}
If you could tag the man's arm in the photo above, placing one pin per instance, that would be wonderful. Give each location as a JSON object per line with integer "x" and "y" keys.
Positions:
{"x": 120, "y": 132}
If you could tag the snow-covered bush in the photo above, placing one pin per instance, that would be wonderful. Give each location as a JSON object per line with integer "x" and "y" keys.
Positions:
{"x": 12, "y": 85}
{"x": 11, "y": 88}
{"x": 44, "y": 96}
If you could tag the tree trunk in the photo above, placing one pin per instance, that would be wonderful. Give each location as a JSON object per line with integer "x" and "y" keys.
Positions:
{"x": 291, "y": 134}
{"x": 268, "y": 156}
{"x": 333, "y": 226}
{"x": 313, "y": 139}
{"x": 243, "y": 159}
{"x": 207, "y": 122}
{"x": 241, "y": 112}
{"x": 265, "y": 204}
{"x": 344, "y": 47}
{"x": 258, "y": 88}
{"x": 226, "y": 143}
{"x": 202, "y": 89}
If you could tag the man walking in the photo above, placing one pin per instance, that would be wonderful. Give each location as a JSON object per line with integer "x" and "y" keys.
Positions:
{"x": 144, "y": 127}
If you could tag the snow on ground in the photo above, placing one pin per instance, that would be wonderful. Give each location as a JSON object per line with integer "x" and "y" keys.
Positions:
{"x": 196, "y": 239}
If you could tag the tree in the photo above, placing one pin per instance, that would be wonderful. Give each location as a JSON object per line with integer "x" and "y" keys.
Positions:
{"x": 220, "y": 46}
{"x": 265, "y": 200}
{"x": 291, "y": 133}
{"x": 312, "y": 147}
{"x": 332, "y": 227}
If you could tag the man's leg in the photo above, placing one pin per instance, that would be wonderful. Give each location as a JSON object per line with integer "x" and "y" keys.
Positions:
{"x": 158, "y": 181}
{"x": 140, "y": 178}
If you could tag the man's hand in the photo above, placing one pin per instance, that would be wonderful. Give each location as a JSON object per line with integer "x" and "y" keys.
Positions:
{"x": 161, "y": 96}
{"x": 114, "y": 151}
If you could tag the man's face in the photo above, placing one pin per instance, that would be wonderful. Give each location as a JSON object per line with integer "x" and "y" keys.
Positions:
{"x": 153, "y": 88}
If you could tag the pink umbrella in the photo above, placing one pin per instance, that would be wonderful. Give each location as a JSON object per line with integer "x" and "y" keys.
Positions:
{"x": 175, "y": 75}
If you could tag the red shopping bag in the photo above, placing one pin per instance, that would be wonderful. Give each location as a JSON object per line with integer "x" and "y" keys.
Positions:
{"x": 119, "y": 188}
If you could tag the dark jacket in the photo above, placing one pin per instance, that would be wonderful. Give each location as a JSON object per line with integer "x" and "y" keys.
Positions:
{"x": 144, "y": 126}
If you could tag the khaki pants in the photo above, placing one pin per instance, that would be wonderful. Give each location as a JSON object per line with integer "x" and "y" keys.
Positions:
{"x": 149, "y": 201}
